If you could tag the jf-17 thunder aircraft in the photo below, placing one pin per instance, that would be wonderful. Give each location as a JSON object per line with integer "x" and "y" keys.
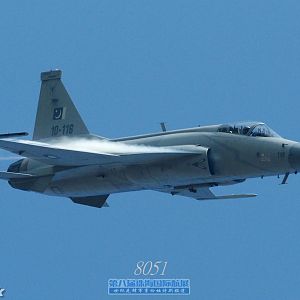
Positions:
{"x": 65, "y": 159}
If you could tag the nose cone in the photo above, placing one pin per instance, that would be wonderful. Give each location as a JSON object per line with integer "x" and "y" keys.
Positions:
{"x": 294, "y": 157}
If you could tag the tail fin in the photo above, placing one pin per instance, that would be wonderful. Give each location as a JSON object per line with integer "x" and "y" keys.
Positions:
{"x": 56, "y": 114}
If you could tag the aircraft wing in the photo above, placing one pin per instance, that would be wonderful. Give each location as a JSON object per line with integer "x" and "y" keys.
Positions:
{"x": 54, "y": 155}
{"x": 201, "y": 193}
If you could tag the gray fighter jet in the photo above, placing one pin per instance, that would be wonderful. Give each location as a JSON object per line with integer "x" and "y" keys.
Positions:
{"x": 64, "y": 159}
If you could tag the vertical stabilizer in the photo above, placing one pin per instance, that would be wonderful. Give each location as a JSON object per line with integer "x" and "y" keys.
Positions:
{"x": 56, "y": 114}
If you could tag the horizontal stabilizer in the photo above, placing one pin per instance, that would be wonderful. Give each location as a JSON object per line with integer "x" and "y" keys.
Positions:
{"x": 13, "y": 134}
{"x": 95, "y": 201}
{"x": 12, "y": 175}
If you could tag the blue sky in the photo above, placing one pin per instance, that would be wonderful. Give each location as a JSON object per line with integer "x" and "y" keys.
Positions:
{"x": 129, "y": 65}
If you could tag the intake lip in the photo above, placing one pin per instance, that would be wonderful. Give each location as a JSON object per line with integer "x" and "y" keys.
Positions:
{"x": 294, "y": 157}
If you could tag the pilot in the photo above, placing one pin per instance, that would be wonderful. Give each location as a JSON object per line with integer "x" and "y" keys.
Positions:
{"x": 246, "y": 130}
{"x": 235, "y": 130}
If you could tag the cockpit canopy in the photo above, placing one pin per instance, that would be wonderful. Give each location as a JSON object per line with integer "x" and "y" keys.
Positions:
{"x": 248, "y": 128}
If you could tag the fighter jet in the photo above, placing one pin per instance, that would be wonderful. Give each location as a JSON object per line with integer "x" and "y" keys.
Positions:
{"x": 64, "y": 159}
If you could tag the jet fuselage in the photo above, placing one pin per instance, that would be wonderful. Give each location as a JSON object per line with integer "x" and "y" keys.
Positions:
{"x": 227, "y": 159}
